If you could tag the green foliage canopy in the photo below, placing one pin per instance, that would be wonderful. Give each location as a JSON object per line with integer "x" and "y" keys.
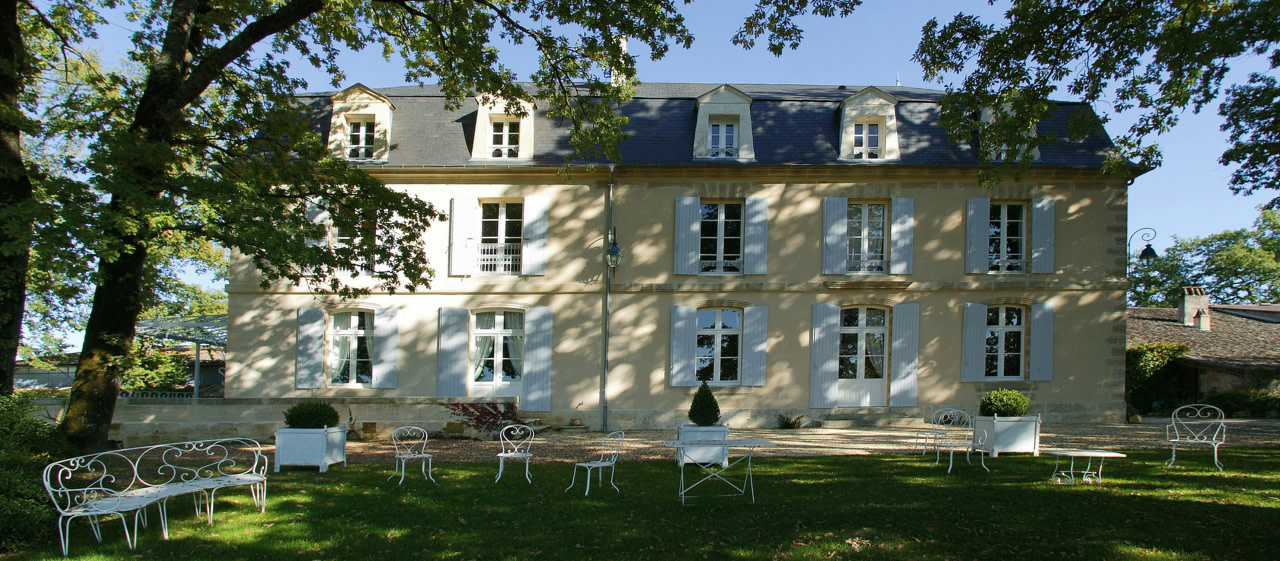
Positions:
{"x": 1148, "y": 377}
{"x": 1235, "y": 267}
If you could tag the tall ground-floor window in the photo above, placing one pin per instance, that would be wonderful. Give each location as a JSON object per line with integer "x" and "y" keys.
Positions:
{"x": 498, "y": 364}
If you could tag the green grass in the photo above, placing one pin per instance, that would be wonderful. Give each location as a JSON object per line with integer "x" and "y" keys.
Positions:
{"x": 856, "y": 507}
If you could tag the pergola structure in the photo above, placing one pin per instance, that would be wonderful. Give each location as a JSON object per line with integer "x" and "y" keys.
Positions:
{"x": 201, "y": 330}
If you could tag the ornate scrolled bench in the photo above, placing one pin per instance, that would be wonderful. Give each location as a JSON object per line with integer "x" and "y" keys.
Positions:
{"x": 120, "y": 482}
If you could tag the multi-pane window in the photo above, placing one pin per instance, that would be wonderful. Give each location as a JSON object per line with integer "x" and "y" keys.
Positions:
{"x": 360, "y": 138}
{"x": 723, "y": 141}
{"x": 720, "y": 241}
{"x": 863, "y": 333}
{"x": 1006, "y": 238}
{"x": 499, "y": 348}
{"x": 350, "y": 348}
{"x": 505, "y": 142}
{"x": 501, "y": 237}
{"x": 1006, "y": 331}
{"x": 353, "y": 227}
{"x": 719, "y": 342}
{"x": 866, "y": 141}
{"x": 866, "y": 228}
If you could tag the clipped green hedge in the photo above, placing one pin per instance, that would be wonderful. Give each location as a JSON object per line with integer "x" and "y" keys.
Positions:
{"x": 1245, "y": 403}
{"x": 311, "y": 415}
{"x": 1148, "y": 376}
{"x": 1005, "y": 403}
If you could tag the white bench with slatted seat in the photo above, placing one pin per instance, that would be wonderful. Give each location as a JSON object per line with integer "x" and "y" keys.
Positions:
{"x": 120, "y": 482}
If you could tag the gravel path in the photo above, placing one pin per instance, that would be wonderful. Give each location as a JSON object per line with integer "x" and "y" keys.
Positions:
{"x": 554, "y": 445}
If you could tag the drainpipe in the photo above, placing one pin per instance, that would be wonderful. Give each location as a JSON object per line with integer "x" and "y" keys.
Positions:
{"x": 608, "y": 282}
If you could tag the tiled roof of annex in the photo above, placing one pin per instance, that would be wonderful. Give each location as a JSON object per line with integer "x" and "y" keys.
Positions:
{"x": 1234, "y": 343}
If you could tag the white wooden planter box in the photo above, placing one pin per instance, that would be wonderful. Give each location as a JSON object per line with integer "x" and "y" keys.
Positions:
{"x": 1009, "y": 434}
{"x": 311, "y": 447}
{"x": 703, "y": 454}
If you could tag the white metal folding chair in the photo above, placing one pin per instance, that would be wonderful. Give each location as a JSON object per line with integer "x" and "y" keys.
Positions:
{"x": 610, "y": 449}
{"x": 411, "y": 445}
{"x": 515, "y": 441}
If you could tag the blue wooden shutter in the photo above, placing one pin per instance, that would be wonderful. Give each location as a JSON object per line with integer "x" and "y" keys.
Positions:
{"x": 824, "y": 356}
{"x": 1042, "y": 223}
{"x": 533, "y": 254}
{"x": 977, "y": 224}
{"x": 755, "y": 251}
{"x": 1041, "y": 343}
{"x": 452, "y": 342}
{"x": 318, "y": 216}
{"x": 309, "y": 369}
{"x": 835, "y": 236}
{"x": 684, "y": 334}
{"x": 902, "y": 236}
{"x": 905, "y": 355}
{"x": 464, "y": 235}
{"x": 973, "y": 341}
{"x": 386, "y": 348}
{"x": 537, "y": 360}
{"x": 688, "y": 218}
{"x": 755, "y": 345}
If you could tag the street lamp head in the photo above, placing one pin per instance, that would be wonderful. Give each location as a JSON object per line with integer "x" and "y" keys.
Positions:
{"x": 614, "y": 255}
{"x": 1148, "y": 256}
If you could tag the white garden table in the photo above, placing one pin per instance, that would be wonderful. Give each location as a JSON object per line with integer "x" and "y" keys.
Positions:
{"x": 1088, "y": 474}
{"x": 713, "y": 472}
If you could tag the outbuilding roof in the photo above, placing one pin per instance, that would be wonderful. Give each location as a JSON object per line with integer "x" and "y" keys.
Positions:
{"x": 1235, "y": 343}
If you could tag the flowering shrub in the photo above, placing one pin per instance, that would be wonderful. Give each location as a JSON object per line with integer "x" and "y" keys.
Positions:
{"x": 487, "y": 417}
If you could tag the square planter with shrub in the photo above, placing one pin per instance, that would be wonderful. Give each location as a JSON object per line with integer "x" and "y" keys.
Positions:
{"x": 312, "y": 437}
{"x": 1002, "y": 414}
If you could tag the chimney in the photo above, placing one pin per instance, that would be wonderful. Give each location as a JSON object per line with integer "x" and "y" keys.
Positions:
{"x": 614, "y": 78}
{"x": 1195, "y": 302}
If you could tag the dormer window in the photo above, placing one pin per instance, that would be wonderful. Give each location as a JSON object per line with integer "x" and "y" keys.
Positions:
{"x": 505, "y": 142}
{"x": 869, "y": 126}
{"x": 866, "y": 140}
{"x": 362, "y": 134}
{"x": 1003, "y": 152}
{"x": 723, "y": 141}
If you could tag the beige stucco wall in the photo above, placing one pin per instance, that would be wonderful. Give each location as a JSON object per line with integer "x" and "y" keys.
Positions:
{"x": 1087, "y": 292}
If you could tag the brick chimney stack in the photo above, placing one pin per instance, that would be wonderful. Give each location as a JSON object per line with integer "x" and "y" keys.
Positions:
{"x": 1195, "y": 303}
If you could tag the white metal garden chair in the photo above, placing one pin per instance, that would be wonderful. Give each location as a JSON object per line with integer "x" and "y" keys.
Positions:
{"x": 1196, "y": 424}
{"x": 411, "y": 445}
{"x": 515, "y": 441}
{"x": 929, "y": 435}
{"x": 956, "y": 432}
{"x": 610, "y": 449}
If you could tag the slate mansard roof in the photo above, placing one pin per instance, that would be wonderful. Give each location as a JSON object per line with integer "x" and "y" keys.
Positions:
{"x": 792, "y": 125}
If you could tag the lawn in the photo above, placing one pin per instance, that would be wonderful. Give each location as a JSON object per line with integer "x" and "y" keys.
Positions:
{"x": 888, "y": 506}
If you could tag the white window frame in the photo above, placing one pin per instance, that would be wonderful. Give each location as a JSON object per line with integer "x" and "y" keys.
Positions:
{"x": 503, "y": 256}
{"x": 505, "y": 335}
{"x": 334, "y": 335}
{"x": 720, "y": 264}
{"x": 860, "y": 333}
{"x": 504, "y": 142}
{"x": 340, "y": 238}
{"x": 1000, "y": 258}
{"x": 362, "y": 137}
{"x": 718, "y": 359}
{"x": 999, "y": 337}
{"x": 862, "y": 251}
{"x": 863, "y": 147}
{"x": 722, "y": 139}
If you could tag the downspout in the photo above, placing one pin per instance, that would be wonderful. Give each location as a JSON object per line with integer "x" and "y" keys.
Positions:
{"x": 608, "y": 282}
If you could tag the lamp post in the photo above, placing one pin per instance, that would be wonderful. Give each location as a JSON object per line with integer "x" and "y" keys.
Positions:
{"x": 1148, "y": 255}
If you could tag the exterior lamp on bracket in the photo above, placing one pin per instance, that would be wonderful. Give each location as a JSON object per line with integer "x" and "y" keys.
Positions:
{"x": 613, "y": 256}
{"x": 1148, "y": 255}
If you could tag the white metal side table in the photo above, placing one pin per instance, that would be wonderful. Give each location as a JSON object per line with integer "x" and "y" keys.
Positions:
{"x": 1088, "y": 474}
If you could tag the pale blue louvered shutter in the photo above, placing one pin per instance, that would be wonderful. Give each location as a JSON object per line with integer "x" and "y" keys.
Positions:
{"x": 451, "y": 352}
{"x": 824, "y": 356}
{"x": 319, "y": 216}
{"x": 309, "y": 368}
{"x": 1041, "y": 343}
{"x": 835, "y": 235}
{"x": 533, "y": 253}
{"x": 902, "y": 236}
{"x": 688, "y": 218}
{"x": 386, "y": 348}
{"x": 1042, "y": 225}
{"x": 464, "y": 235}
{"x": 973, "y": 341}
{"x": 755, "y": 250}
{"x": 904, "y": 354}
{"x": 684, "y": 334}
{"x": 537, "y": 360}
{"x": 977, "y": 224}
{"x": 755, "y": 345}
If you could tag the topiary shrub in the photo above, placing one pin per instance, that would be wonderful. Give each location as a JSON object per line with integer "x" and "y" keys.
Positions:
{"x": 1005, "y": 403}
{"x": 704, "y": 411}
{"x": 311, "y": 415}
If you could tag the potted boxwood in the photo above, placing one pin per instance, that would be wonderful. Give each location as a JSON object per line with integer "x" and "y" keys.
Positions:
{"x": 312, "y": 437}
{"x": 704, "y": 411}
{"x": 1003, "y": 415}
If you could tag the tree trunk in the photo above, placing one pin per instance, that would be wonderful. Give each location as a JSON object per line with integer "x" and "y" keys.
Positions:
{"x": 16, "y": 221}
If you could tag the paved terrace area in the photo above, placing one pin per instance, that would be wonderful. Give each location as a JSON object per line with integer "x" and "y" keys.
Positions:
{"x": 555, "y": 445}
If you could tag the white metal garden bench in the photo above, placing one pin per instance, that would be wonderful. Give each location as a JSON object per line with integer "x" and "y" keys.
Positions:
{"x": 1196, "y": 424}
{"x": 119, "y": 482}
